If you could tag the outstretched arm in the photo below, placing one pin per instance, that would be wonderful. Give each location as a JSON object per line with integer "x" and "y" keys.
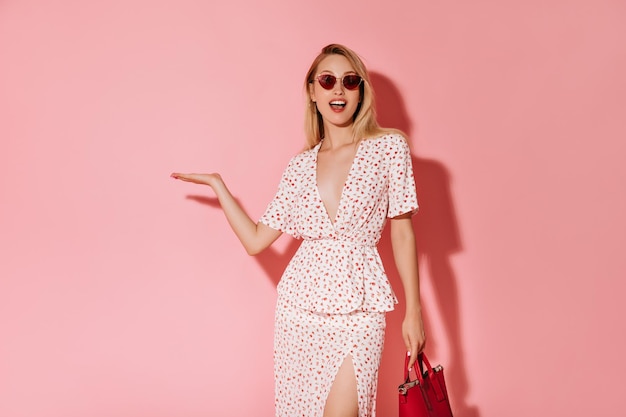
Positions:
{"x": 405, "y": 256}
{"x": 254, "y": 236}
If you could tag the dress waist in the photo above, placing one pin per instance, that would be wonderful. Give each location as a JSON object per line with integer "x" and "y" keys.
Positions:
{"x": 337, "y": 276}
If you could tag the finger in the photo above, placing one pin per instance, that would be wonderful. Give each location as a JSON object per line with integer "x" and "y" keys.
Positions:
{"x": 183, "y": 177}
{"x": 411, "y": 360}
{"x": 407, "y": 346}
{"x": 179, "y": 176}
{"x": 422, "y": 343}
{"x": 413, "y": 354}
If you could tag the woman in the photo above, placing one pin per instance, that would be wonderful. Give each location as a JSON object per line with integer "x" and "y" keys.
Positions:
{"x": 336, "y": 196}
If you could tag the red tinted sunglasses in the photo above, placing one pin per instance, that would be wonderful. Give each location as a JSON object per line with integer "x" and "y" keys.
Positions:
{"x": 350, "y": 81}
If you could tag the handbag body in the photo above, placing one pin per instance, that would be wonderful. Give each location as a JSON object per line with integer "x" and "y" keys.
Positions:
{"x": 426, "y": 396}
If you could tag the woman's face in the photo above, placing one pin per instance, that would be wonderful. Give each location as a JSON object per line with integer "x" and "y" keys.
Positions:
{"x": 337, "y": 104}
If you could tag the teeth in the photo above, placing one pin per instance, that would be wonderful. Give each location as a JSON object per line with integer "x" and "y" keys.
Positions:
{"x": 338, "y": 103}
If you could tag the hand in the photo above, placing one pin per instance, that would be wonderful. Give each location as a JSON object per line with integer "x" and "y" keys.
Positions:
{"x": 414, "y": 336}
{"x": 206, "y": 179}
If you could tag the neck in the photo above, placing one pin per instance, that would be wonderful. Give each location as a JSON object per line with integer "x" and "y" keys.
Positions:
{"x": 336, "y": 136}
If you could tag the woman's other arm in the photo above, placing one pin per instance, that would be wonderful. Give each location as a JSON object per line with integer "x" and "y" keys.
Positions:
{"x": 405, "y": 256}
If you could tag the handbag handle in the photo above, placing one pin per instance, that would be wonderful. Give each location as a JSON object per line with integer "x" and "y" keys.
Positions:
{"x": 423, "y": 360}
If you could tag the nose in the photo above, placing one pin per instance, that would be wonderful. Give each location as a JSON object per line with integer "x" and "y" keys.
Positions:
{"x": 338, "y": 88}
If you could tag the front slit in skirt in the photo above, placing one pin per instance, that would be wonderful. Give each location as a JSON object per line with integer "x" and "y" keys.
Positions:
{"x": 310, "y": 347}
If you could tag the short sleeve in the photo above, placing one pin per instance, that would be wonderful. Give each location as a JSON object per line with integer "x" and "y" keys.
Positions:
{"x": 279, "y": 212}
{"x": 402, "y": 194}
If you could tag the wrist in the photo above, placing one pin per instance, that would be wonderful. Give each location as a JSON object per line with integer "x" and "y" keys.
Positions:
{"x": 216, "y": 182}
{"x": 413, "y": 311}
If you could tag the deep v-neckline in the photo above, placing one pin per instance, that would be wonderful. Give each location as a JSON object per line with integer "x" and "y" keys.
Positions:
{"x": 333, "y": 221}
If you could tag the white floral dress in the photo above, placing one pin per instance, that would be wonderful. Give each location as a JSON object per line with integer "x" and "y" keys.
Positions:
{"x": 334, "y": 293}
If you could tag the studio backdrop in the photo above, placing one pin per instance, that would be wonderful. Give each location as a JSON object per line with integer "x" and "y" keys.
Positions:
{"x": 124, "y": 293}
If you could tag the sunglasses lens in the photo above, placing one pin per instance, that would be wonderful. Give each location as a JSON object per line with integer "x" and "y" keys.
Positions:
{"x": 351, "y": 82}
{"x": 327, "y": 81}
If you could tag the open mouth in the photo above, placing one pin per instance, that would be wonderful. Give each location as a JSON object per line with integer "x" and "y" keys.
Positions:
{"x": 337, "y": 104}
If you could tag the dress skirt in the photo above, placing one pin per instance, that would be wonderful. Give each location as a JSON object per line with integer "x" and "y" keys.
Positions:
{"x": 310, "y": 347}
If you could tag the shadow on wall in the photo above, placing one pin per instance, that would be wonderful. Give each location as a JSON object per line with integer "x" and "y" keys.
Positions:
{"x": 271, "y": 260}
{"x": 438, "y": 239}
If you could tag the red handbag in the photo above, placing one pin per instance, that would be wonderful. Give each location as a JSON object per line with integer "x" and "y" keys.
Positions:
{"x": 425, "y": 396}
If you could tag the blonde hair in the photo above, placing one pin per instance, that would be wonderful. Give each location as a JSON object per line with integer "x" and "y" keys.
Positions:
{"x": 364, "y": 123}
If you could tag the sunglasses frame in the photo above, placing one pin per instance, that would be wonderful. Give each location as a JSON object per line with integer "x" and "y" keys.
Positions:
{"x": 341, "y": 79}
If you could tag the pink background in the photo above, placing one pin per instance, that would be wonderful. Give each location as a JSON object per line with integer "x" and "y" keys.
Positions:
{"x": 124, "y": 293}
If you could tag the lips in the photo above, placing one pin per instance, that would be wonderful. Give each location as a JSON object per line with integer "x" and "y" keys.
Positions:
{"x": 337, "y": 105}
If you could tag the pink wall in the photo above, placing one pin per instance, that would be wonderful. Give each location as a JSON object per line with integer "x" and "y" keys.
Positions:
{"x": 123, "y": 293}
